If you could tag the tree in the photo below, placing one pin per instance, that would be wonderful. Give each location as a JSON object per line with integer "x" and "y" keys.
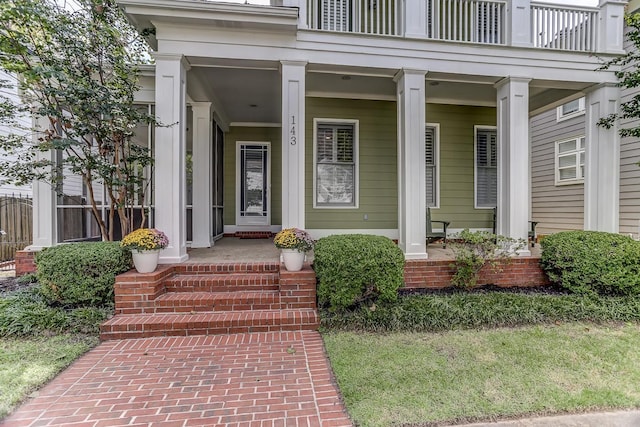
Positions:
{"x": 629, "y": 77}
{"x": 78, "y": 69}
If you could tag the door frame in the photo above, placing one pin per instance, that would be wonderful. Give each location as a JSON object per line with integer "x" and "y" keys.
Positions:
{"x": 258, "y": 222}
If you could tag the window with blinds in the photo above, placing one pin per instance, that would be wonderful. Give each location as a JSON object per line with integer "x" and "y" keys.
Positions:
{"x": 335, "y": 164}
{"x": 570, "y": 161}
{"x": 335, "y": 15}
{"x": 431, "y": 159}
{"x": 486, "y": 168}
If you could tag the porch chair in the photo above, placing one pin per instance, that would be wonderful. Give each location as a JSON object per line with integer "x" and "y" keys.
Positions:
{"x": 532, "y": 227}
{"x": 432, "y": 236}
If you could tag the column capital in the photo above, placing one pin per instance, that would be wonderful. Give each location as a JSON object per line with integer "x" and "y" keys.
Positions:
{"x": 511, "y": 79}
{"x": 284, "y": 63}
{"x": 409, "y": 72}
{"x": 159, "y": 56}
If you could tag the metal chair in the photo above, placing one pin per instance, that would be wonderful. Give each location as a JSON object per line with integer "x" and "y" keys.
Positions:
{"x": 432, "y": 236}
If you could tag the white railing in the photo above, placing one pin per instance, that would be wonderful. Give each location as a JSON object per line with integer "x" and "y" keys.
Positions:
{"x": 381, "y": 17}
{"x": 564, "y": 27}
{"x": 479, "y": 21}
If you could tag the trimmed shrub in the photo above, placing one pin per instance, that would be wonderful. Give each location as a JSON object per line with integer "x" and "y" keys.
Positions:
{"x": 354, "y": 269}
{"x": 81, "y": 274}
{"x": 590, "y": 262}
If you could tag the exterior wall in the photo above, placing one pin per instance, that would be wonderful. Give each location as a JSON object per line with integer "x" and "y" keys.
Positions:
{"x": 12, "y": 94}
{"x": 377, "y": 147}
{"x": 457, "y": 163}
{"x": 258, "y": 134}
{"x": 555, "y": 207}
{"x": 629, "y": 171}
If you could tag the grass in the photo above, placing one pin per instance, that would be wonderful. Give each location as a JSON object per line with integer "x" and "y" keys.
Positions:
{"x": 27, "y": 363}
{"x": 465, "y": 375}
{"x": 483, "y": 310}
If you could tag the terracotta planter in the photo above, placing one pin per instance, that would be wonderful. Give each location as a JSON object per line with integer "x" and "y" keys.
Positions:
{"x": 293, "y": 259}
{"x": 145, "y": 261}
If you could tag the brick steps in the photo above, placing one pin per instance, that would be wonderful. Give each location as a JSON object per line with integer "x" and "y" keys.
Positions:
{"x": 204, "y": 299}
{"x": 185, "y": 302}
{"x": 229, "y": 322}
{"x": 219, "y": 282}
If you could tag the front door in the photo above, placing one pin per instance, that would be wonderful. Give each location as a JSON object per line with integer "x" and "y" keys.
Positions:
{"x": 253, "y": 183}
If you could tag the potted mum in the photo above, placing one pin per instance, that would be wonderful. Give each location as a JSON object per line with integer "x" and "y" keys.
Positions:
{"x": 145, "y": 245}
{"x": 294, "y": 243}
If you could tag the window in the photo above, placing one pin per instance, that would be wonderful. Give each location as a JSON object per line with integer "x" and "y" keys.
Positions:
{"x": 570, "y": 109}
{"x": 486, "y": 162}
{"x": 570, "y": 161}
{"x": 432, "y": 164}
{"x": 335, "y": 163}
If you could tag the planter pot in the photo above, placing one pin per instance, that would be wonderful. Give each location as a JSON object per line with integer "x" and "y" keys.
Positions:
{"x": 293, "y": 259}
{"x": 145, "y": 261}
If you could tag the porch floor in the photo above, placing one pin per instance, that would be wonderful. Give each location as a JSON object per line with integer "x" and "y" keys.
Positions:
{"x": 233, "y": 249}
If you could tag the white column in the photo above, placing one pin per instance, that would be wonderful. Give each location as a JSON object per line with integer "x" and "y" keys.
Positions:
{"x": 293, "y": 143}
{"x": 611, "y": 26}
{"x": 415, "y": 18}
{"x": 302, "y": 11}
{"x": 170, "y": 153}
{"x": 518, "y": 25}
{"x": 412, "y": 203}
{"x": 513, "y": 159}
{"x": 202, "y": 174}
{"x": 45, "y": 225}
{"x": 602, "y": 161}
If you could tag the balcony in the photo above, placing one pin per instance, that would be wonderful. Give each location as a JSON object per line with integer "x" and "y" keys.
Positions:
{"x": 519, "y": 23}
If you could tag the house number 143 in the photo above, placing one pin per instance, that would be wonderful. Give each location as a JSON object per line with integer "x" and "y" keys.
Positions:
{"x": 292, "y": 133}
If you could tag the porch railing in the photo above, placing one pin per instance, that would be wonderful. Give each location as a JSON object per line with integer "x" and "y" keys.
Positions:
{"x": 565, "y": 28}
{"x": 381, "y": 17}
{"x": 479, "y": 21}
{"x": 571, "y": 28}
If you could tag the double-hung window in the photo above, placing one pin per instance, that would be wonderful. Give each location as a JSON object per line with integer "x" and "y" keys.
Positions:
{"x": 335, "y": 163}
{"x": 570, "y": 161}
{"x": 432, "y": 160}
{"x": 486, "y": 167}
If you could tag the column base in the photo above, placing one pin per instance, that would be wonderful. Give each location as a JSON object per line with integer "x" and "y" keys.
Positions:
{"x": 416, "y": 255}
{"x": 173, "y": 259}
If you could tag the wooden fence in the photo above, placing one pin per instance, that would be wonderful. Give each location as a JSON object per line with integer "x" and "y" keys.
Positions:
{"x": 16, "y": 224}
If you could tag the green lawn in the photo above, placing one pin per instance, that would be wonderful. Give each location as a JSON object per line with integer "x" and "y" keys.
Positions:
{"x": 28, "y": 363}
{"x": 397, "y": 378}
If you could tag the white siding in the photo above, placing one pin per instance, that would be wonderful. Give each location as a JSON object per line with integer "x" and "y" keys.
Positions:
{"x": 556, "y": 208}
{"x": 4, "y": 130}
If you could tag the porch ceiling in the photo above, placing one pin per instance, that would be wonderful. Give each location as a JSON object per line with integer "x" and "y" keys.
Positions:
{"x": 249, "y": 92}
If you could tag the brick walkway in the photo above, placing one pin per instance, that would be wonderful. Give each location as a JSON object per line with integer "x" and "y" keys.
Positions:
{"x": 259, "y": 379}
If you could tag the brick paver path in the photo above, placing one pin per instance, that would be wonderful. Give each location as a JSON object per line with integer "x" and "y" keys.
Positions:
{"x": 260, "y": 379}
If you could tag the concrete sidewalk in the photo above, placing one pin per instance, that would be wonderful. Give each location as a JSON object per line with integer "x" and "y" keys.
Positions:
{"x": 603, "y": 419}
{"x": 257, "y": 380}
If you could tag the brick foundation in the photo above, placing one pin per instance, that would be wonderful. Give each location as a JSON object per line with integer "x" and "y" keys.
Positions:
{"x": 437, "y": 274}
{"x": 25, "y": 262}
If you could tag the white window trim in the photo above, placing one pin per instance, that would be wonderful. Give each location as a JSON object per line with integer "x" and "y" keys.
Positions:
{"x": 437, "y": 156}
{"x": 562, "y": 117}
{"x": 556, "y": 168}
{"x": 356, "y": 159}
{"x": 476, "y": 128}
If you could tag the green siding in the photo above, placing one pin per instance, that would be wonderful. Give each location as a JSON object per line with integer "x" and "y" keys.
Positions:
{"x": 258, "y": 134}
{"x": 456, "y": 163}
{"x": 377, "y": 164}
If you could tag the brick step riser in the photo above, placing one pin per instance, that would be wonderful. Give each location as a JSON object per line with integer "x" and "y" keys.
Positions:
{"x": 218, "y": 269}
{"x": 107, "y": 336}
{"x": 179, "y": 327}
{"x": 219, "y": 287}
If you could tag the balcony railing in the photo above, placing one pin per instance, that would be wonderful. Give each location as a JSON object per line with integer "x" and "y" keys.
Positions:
{"x": 557, "y": 27}
{"x": 381, "y": 17}
{"x": 475, "y": 21}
